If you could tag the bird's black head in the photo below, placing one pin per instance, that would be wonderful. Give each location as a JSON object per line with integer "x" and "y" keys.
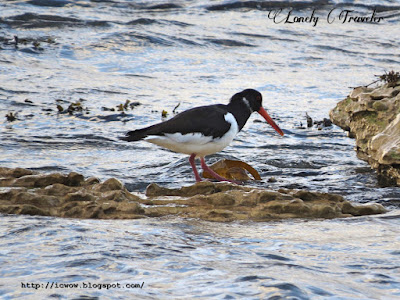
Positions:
{"x": 243, "y": 104}
{"x": 249, "y": 98}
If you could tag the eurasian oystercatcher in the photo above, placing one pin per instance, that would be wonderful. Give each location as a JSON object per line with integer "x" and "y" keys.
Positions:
{"x": 204, "y": 130}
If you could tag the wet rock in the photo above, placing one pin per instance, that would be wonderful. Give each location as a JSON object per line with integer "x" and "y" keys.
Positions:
{"x": 203, "y": 188}
{"x": 356, "y": 92}
{"x": 233, "y": 170}
{"x": 78, "y": 196}
{"x": 385, "y": 146}
{"x": 40, "y": 180}
{"x": 372, "y": 117}
{"x": 381, "y": 93}
{"x": 363, "y": 209}
{"x": 119, "y": 196}
{"x": 74, "y": 179}
{"x": 111, "y": 184}
{"x": 31, "y": 210}
{"x": 91, "y": 180}
{"x": 130, "y": 208}
{"x": 15, "y": 173}
{"x": 57, "y": 189}
{"x": 74, "y": 197}
{"x": 215, "y": 200}
{"x": 65, "y": 195}
{"x": 29, "y": 179}
{"x": 245, "y": 203}
{"x": 219, "y": 215}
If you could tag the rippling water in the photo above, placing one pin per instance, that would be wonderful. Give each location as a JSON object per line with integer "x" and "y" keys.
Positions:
{"x": 159, "y": 54}
{"x": 179, "y": 259}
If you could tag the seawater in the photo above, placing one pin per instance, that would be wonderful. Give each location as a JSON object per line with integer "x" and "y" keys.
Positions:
{"x": 353, "y": 258}
{"x": 160, "y": 54}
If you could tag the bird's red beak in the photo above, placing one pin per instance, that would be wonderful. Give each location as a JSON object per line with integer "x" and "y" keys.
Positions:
{"x": 271, "y": 122}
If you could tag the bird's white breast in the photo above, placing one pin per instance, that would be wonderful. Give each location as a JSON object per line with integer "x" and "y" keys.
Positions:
{"x": 197, "y": 143}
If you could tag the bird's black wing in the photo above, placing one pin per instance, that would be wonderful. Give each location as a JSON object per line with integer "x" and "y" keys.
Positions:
{"x": 208, "y": 120}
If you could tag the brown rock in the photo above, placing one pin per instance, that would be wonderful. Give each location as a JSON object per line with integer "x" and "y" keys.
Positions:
{"x": 233, "y": 170}
{"x": 363, "y": 209}
{"x": 32, "y": 210}
{"x": 385, "y": 146}
{"x": 267, "y": 196}
{"x": 15, "y": 173}
{"x": 23, "y": 210}
{"x": 358, "y": 91}
{"x": 118, "y": 196}
{"x": 372, "y": 117}
{"x": 74, "y": 179}
{"x": 91, "y": 181}
{"x": 130, "y": 208}
{"x": 57, "y": 189}
{"x": 111, "y": 184}
{"x": 79, "y": 196}
{"x": 74, "y": 197}
{"x": 218, "y": 199}
{"x": 219, "y": 215}
{"x": 202, "y": 188}
{"x": 41, "y": 180}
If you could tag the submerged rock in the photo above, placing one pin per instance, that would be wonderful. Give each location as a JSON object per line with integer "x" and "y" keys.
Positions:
{"x": 233, "y": 170}
{"x": 26, "y": 192}
{"x": 372, "y": 116}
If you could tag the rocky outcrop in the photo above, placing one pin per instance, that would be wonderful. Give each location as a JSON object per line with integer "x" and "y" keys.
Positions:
{"x": 26, "y": 192}
{"x": 372, "y": 116}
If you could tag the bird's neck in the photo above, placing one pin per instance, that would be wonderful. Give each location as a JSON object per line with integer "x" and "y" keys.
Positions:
{"x": 240, "y": 112}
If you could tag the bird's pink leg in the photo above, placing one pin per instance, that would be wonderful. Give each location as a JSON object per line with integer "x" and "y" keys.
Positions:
{"x": 215, "y": 175}
{"x": 193, "y": 164}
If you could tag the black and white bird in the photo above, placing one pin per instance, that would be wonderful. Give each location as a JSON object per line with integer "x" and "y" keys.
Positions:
{"x": 204, "y": 130}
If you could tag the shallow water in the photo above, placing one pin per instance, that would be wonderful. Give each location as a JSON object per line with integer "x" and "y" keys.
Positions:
{"x": 355, "y": 258}
{"x": 102, "y": 53}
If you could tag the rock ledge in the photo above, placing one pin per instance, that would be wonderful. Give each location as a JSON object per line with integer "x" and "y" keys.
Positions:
{"x": 25, "y": 192}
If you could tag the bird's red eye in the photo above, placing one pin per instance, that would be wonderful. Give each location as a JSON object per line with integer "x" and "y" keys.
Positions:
{"x": 258, "y": 98}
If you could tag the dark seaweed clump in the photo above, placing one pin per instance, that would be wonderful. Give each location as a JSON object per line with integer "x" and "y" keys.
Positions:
{"x": 391, "y": 78}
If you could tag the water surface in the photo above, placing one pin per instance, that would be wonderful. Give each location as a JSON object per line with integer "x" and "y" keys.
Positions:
{"x": 355, "y": 258}
{"x": 159, "y": 54}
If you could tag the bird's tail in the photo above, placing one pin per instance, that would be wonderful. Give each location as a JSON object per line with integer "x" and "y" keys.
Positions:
{"x": 135, "y": 135}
